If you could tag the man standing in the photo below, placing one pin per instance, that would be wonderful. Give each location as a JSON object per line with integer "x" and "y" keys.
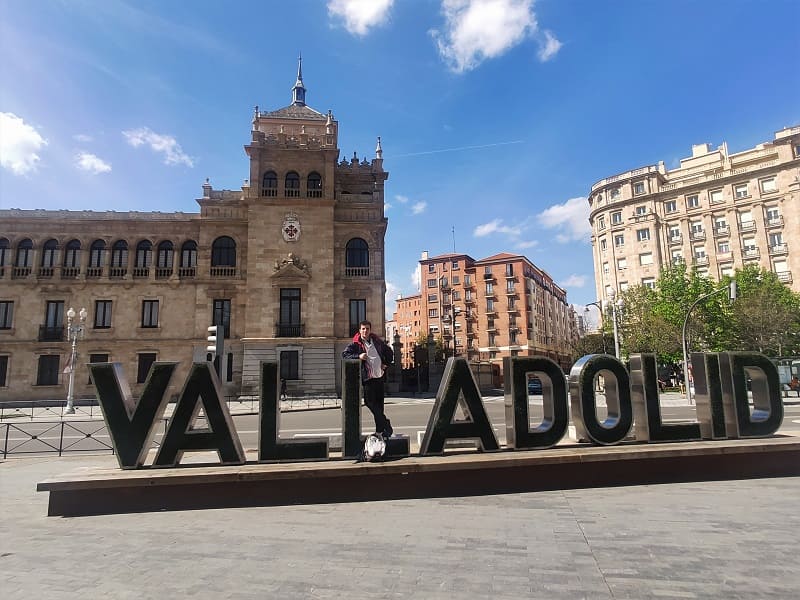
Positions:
{"x": 375, "y": 355}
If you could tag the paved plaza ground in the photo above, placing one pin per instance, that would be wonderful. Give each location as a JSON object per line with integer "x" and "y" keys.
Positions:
{"x": 730, "y": 539}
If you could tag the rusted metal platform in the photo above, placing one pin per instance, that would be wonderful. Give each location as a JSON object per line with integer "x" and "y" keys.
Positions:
{"x": 106, "y": 491}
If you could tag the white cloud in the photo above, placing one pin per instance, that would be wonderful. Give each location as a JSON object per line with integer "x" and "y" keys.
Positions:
{"x": 390, "y": 304}
{"x": 83, "y": 138}
{"x": 527, "y": 244}
{"x": 360, "y": 15}
{"x": 575, "y": 281}
{"x": 19, "y": 144}
{"x": 476, "y": 30}
{"x": 401, "y": 199}
{"x": 162, "y": 144}
{"x": 91, "y": 163}
{"x": 496, "y": 226}
{"x": 387, "y": 206}
{"x": 419, "y": 208}
{"x": 415, "y": 278}
{"x": 548, "y": 47}
{"x": 571, "y": 219}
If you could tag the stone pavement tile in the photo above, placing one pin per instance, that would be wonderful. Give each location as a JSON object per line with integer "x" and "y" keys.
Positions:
{"x": 699, "y": 540}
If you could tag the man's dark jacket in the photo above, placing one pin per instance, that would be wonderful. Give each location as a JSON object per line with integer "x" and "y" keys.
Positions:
{"x": 356, "y": 347}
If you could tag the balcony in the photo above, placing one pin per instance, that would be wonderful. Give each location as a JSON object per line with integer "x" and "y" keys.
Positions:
{"x": 163, "y": 272}
{"x": 117, "y": 272}
{"x": 488, "y": 276}
{"x": 778, "y": 249}
{"x": 289, "y": 330}
{"x": 187, "y": 272}
{"x": 511, "y": 292}
{"x": 70, "y": 272}
{"x": 675, "y": 239}
{"x": 697, "y": 235}
{"x": 722, "y": 230}
{"x": 141, "y": 272}
{"x": 45, "y": 272}
{"x": 784, "y": 276}
{"x": 51, "y": 334}
{"x": 20, "y": 272}
{"x": 747, "y": 226}
{"x": 701, "y": 260}
{"x": 751, "y": 253}
{"x": 356, "y": 271}
{"x": 222, "y": 272}
{"x": 775, "y": 221}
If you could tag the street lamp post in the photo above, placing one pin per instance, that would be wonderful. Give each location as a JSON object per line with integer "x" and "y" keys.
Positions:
{"x": 731, "y": 289}
{"x": 614, "y": 306}
{"x": 74, "y": 331}
{"x": 599, "y": 306}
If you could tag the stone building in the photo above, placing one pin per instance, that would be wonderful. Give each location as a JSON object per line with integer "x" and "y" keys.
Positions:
{"x": 717, "y": 211}
{"x": 502, "y": 305}
{"x": 288, "y": 266}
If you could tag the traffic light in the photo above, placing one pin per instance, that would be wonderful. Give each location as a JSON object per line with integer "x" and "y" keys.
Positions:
{"x": 215, "y": 338}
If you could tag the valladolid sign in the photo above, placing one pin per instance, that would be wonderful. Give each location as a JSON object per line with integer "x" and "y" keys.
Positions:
{"x": 724, "y": 409}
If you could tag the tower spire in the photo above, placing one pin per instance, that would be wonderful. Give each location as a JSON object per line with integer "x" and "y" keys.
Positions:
{"x": 299, "y": 90}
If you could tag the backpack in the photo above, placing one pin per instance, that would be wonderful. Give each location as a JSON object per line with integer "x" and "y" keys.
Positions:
{"x": 374, "y": 448}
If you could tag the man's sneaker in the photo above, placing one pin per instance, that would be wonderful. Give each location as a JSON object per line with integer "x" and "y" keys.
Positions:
{"x": 387, "y": 432}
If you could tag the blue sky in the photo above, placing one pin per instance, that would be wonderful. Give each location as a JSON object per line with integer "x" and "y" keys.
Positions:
{"x": 496, "y": 116}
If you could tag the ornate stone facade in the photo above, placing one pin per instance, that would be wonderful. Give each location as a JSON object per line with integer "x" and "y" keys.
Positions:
{"x": 288, "y": 264}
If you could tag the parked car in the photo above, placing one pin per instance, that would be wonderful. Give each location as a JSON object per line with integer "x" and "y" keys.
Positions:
{"x": 535, "y": 386}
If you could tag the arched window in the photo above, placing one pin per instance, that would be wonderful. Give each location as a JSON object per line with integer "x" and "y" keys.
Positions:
{"x": 144, "y": 255}
{"x": 72, "y": 255}
{"x": 96, "y": 251}
{"x": 269, "y": 185}
{"x": 5, "y": 257}
{"x": 49, "y": 252}
{"x": 24, "y": 254}
{"x": 292, "y": 185}
{"x": 223, "y": 252}
{"x": 165, "y": 255}
{"x": 314, "y": 185}
{"x": 357, "y": 258}
{"x": 189, "y": 254}
{"x": 119, "y": 258}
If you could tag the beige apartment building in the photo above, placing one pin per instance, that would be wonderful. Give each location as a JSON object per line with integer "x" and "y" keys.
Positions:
{"x": 287, "y": 266}
{"x": 717, "y": 211}
{"x": 486, "y": 309}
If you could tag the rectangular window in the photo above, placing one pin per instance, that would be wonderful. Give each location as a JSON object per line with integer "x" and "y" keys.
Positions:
{"x": 775, "y": 239}
{"x": 456, "y": 280}
{"x": 601, "y": 223}
{"x": 102, "y": 314}
{"x": 677, "y": 255}
{"x": 638, "y": 187}
{"x": 289, "y": 324}
{"x": 456, "y": 295}
{"x": 649, "y": 282}
{"x": 431, "y": 268}
{"x": 221, "y": 316}
{"x": 619, "y": 240}
{"x": 641, "y": 210}
{"x": 433, "y": 313}
{"x": 749, "y": 244}
{"x": 714, "y": 196}
{"x": 433, "y": 298}
{"x": 605, "y": 268}
{"x": 509, "y": 270}
{"x": 674, "y": 232}
{"x": 616, "y": 217}
{"x": 670, "y": 206}
{"x": 622, "y": 264}
{"x": 431, "y": 283}
{"x": 603, "y": 245}
{"x": 696, "y": 227}
{"x": 149, "y": 313}
{"x": 6, "y": 314}
{"x": 290, "y": 364}
{"x": 145, "y": 361}
{"x": 3, "y": 371}
{"x": 47, "y": 373}
{"x": 773, "y": 214}
{"x": 723, "y": 247}
{"x": 646, "y": 258}
{"x": 490, "y": 305}
{"x": 740, "y": 190}
{"x": 720, "y": 223}
{"x": 358, "y": 313}
{"x": 693, "y": 200}
{"x": 54, "y": 314}
{"x": 454, "y": 266}
{"x": 768, "y": 185}
{"x": 614, "y": 193}
{"x": 642, "y": 235}
{"x": 489, "y": 289}
{"x": 467, "y": 280}
{"x": 699, "y": 251}
{"x": 97, "y": 358}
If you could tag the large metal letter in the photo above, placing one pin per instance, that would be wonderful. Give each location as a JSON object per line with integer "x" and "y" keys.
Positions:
{"x": 767, "y": 414}
{"x": 554, "y": 391}
{"x": 618, "y": 399}
{"x": 647, "y": 410}
{"x": 457, "y": 379}
{"x": 131, "y": 424}
{"x": 201, "y": 390}
{"x": 708, "y": 395}
{"x": 270, "y": 446}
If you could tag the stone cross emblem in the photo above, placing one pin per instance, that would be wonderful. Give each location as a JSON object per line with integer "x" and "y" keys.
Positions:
{"x": 291, "y": 228}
